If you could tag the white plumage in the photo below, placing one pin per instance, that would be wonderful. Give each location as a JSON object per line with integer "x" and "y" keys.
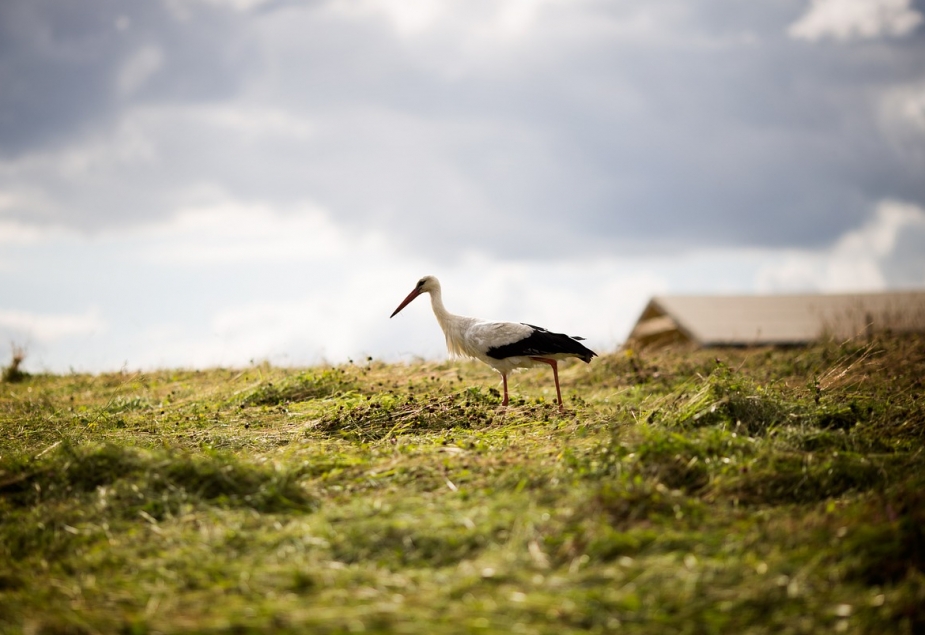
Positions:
{"x": 504, "y": 346}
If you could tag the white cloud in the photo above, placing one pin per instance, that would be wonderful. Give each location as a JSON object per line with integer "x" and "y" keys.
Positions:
{"x": 84, "y": 165}
{"x": 902, "y": 120}
{"x": 227, "y": 281}
{"x": 408, "y": 17}
{"x": 463, "y": 21}
{"x": 148, "y": 162}
{"x": 231, "y": 232}
{"x": 877, "y": 238}
{"x": 346, "y": 315}
{"x": 253, "y": 121}
{"x": 138, "y": 69}
{"x": 48, "y": 327}
{"x": 856, "y": 19}
{"x": 22, "y": 199}
{"x": 323, "y": 327}
{"x": 238, "y": 5}
{"x": 146, "y": 136}
{"x": 13, "y": 232}
{"x": 887, "y": 250}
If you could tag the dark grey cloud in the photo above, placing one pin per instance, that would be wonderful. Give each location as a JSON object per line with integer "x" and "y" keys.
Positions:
{"x": 60, "y": 63}
{"x": 602, "y": 127}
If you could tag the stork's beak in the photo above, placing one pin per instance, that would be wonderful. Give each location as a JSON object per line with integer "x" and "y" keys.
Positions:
{"x": 406, "y": 301}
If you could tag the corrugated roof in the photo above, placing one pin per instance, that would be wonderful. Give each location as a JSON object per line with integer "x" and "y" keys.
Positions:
{"x": 744, "y": 320}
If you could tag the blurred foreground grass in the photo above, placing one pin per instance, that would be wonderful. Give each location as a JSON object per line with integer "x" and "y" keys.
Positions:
{"x": 731, "y": 491}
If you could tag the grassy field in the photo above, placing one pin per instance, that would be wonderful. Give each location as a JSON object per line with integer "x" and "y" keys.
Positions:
{"x": 723, "y": 491}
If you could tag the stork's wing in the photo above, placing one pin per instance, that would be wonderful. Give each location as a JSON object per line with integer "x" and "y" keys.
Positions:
{"x": 484, "y": 336}
{"x": 540, "y": 342}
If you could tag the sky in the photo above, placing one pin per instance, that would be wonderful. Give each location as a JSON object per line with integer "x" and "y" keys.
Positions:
{"x": 198, "y": 183}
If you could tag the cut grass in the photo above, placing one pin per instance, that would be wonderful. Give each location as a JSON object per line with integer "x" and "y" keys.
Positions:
{"x": 732, "y": 491}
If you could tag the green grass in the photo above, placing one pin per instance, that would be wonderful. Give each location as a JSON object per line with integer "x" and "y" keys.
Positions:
{"x": 723, "y": 491}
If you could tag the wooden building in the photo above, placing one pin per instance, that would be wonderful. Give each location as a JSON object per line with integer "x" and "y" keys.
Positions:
{"x": 755, "y": 320}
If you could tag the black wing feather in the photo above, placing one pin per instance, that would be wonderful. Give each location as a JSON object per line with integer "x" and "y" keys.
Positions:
{"x": 542, "y": 342}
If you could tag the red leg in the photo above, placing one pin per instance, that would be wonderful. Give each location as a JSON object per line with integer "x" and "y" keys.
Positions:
{"x": 504, "y": 378}
{"x": 555, "y": 374}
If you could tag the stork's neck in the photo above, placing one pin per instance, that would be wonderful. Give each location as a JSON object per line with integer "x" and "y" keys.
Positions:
{"x": 454, "y": 326}
{"x": 451, "y": 323}
{"x": 436, "y": 302}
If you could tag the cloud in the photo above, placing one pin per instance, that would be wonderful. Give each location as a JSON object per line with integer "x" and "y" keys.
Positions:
{"x": 466, "y": 22}
{"x": 408, "y": 18}
{"x": 68, "y": 71}
{"x": 846, "y": 20}
{"x": 154, "y": 161}
{"x": 14, "y": 232}
{"x": 232, "y": 232}
{"x": 231, "y": 281}
{"x": 501, "y": 126}
{"x": 237, "y": 5}
{"x": 49, "y": 327}
{"x": 885, "y": 252}
{"x": 902, "y": 120}
{"x": 347, "y": 316}
{"x": 139, "y": 68}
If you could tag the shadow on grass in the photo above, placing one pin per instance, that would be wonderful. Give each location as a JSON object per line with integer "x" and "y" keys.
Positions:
{"x": 156, "y": 480}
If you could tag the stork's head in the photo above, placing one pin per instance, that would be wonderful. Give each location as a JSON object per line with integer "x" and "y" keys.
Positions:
{"x": 427, "y": 284}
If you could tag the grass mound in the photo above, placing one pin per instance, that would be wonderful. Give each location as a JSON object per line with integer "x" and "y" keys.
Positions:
{"x": 726, "y": 398}
{"x": 387, "y": 415}
{"x": 302, "y": 386}
{"x": 723, "y": 491}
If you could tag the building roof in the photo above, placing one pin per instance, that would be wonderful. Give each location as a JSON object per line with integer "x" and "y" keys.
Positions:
{"x": 752, "y": 320}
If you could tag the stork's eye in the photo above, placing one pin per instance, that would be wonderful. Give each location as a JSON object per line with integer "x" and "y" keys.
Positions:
{"x": 421, "y": 282}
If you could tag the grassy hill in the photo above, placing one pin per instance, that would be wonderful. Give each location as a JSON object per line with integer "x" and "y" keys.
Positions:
{"x": 725, "y": 491}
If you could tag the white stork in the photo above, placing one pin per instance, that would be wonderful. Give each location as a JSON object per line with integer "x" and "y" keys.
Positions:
{"x": 502, "y": 345}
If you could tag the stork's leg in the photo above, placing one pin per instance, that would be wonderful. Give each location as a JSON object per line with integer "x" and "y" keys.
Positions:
{"x": 555, "y": 374}
{"x": 504, "y": 379}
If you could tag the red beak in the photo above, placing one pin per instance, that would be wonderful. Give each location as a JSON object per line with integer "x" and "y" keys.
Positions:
{"x": 406, "y": 301}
